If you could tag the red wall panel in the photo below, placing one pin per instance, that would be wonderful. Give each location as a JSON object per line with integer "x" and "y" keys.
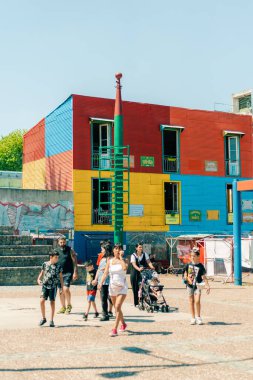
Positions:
{"x": 202, "y": 138}
{"x": 34, "y": 143}
{"x": 59, "y": 171}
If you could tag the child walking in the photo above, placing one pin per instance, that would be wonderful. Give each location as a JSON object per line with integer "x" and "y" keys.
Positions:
{"x": 194, "y": 275}
{"x": 91, "y": 289}
{"x": 50, "y": 274}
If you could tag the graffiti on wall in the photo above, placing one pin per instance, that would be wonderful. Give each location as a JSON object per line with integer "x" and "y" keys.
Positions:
{"x": 30, "y": 216}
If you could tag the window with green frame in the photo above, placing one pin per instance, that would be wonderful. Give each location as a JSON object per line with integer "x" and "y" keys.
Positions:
{"x": 101, "y": 136}
{"x": 232, "y": 155}
{"x": 171, "y": 148}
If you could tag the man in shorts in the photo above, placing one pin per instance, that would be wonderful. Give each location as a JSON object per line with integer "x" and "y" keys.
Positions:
{"x": 68, "y": 262}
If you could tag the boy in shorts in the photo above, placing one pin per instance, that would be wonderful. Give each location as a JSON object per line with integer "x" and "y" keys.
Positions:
{"x": 194, "y": 276}
{"x": 91, "y": 289}
{"x": 51, "y": 273}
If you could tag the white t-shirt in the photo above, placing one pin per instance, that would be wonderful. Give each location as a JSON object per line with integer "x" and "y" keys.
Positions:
{"x": 133, "y": 257}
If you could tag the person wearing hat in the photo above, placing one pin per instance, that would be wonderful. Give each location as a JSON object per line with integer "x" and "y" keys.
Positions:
{"x": 91, "y": 289}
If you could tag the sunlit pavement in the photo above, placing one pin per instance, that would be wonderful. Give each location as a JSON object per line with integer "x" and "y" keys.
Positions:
{"x": 156, "y": 345}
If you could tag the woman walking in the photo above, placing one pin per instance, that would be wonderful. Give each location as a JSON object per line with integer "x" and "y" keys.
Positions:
{"x": 116, "y": 268}
{"x": 139, "y": 260}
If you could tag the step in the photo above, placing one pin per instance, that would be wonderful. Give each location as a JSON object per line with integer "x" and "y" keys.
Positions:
{"x": 22, "y": 261}
{"x": 17, "y": 276}
{"x": 15, "y": 240}
{"x": 24, "y": 250}
{"x": 6, "y": 230}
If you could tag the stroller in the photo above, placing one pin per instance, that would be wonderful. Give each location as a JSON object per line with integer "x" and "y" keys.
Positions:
{"x": 151, "y": 293}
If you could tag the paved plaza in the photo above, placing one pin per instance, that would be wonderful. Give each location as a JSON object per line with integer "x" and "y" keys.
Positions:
{"x": 156, "y": 346}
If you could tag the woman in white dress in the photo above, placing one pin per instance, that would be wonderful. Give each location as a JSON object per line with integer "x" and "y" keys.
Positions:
{"x": 116, "y": 268}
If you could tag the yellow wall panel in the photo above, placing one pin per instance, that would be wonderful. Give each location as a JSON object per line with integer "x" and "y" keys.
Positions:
{"x": 34, "y": 175}
{"x": 146, "y": 189}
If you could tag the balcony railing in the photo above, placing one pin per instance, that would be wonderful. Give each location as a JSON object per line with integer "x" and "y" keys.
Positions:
{"x": 170, "y": 164}
{"x": 104, "y": 159}
{"x": 233, "y": 168}
{"x": 101, "y": 217}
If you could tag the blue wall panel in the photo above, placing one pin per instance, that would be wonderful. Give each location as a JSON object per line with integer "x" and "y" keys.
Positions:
{"x": 58, "y": 129}
{"x": 205, "y": 193}
{"x": 86, "y": 244}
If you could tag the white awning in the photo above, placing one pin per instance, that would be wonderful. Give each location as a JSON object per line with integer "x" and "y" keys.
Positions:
{"x": 101, "y": 119}
{"x": 238, "y": 133}
{"x": 165, "y": 126}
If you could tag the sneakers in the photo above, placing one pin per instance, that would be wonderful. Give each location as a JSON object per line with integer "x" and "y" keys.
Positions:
{"x": 199, "y": 321}
{"x": 104, "y": 318}
{"x": 123, "y": 327}
{"x": 68, "y": 309}
{"x": 110, "y": 314}
{"x": 113, "y": 332}
{"x": 62, "y": 310}
{"x": 42, "y": 322}
{"x": 85, "y": 317}
{"x": 96, "y": 315}
{"x": 196, "y": 321}
{"x": 51, "y": 324}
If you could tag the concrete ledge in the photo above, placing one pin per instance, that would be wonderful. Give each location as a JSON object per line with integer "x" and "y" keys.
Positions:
{"x": 24, "y": 250}
{"x": 22, "y": 261}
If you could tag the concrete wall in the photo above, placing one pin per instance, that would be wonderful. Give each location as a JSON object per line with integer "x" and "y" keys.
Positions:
{"x": 28, "y": 210}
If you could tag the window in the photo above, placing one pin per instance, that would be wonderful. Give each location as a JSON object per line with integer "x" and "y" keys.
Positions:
{"x": 229, "y": 196}
{"x": 101, "y": 215}
{"x": 101, "y": 137}
{"x": 232, "y": 154}
{"x": 170, "y": 146}
{"x": 171, "y": 202}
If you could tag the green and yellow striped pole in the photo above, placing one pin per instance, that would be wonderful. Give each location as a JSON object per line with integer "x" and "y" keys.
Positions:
{"x": 118, "y": 164}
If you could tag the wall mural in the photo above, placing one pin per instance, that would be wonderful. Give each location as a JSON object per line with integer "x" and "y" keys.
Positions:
{"x": 31, "y": 216}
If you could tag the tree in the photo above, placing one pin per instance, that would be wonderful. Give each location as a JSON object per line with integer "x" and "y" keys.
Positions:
{"x": 11, "y": 151}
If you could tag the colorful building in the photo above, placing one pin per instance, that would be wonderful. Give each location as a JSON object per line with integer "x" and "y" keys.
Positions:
{"x": 182, "y": 165}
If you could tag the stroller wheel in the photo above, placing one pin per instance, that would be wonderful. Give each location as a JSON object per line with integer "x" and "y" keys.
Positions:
{"x": 157, "y": 308}
{"x": 167, "y": 308}
{"x": 163, "y": 309}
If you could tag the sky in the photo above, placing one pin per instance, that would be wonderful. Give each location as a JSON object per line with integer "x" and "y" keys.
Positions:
{"x": 186, "y": 53}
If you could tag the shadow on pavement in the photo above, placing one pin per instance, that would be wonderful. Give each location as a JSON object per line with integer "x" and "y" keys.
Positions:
{"x": 222, "y": 324}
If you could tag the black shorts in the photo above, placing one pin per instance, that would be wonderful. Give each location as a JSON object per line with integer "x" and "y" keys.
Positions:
{"x": 51, "y": 293}
{"x": 67, "y": 278}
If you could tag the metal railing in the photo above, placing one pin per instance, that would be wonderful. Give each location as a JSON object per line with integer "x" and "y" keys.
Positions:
{"x": 170, "y": 164}
{"x": 233, "y": 167}
{"x": 101, "y": 217}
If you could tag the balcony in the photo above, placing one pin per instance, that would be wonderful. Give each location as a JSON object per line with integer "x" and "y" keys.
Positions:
{"x": 101, "y": 217}
{"x": 170, "y": 164}
{"x": 233, "y": 168}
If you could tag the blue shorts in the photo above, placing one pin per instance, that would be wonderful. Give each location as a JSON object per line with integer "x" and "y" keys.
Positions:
{"x": 91, "y": 295}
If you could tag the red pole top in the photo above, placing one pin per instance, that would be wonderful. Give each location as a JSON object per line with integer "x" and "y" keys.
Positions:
{"x": 118, "y": 102}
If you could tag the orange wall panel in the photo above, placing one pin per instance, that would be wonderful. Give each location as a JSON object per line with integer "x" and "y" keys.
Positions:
{"x": 34, "y": 143}
{"x": 59, "y": 171}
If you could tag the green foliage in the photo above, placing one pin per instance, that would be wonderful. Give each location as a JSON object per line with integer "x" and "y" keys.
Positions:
{"x": 11, "y": 151}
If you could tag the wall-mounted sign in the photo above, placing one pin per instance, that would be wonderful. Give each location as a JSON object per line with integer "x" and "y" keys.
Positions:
{"x": 172, "y": 219}
{"x": 147, "y": 161}
{"x": 212, "y": 215}
{"x": 195, "y": 215}
{"x": 211, "y": 166}
{"x": 131, "y": 162}
{"x": 230, "y": 218}
{"x": 247, "y": 217}
{"x": 136, "y": 210}
{"x": 247, "y": 204}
